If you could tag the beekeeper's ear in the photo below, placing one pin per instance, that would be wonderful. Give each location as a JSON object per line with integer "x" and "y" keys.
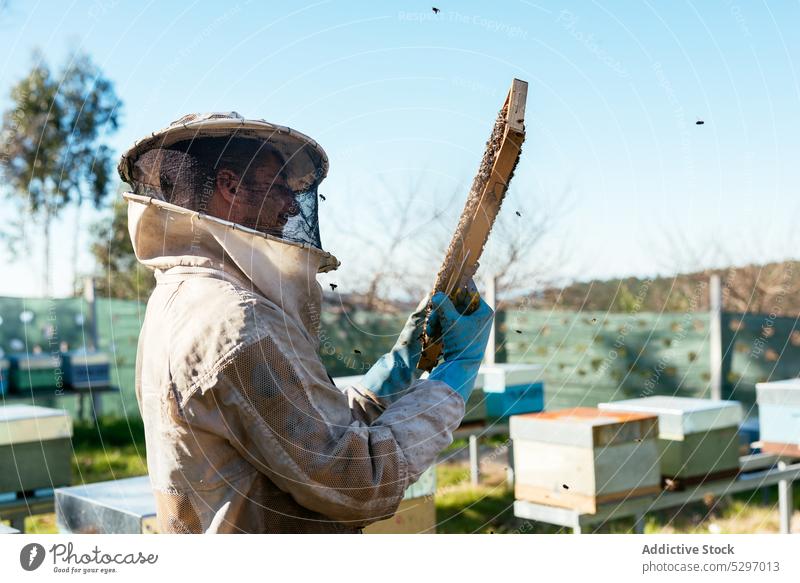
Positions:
{"x": 227, "y": 184}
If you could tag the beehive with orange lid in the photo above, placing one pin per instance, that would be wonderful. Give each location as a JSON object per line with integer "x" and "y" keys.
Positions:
{"x": 581, "y": 457}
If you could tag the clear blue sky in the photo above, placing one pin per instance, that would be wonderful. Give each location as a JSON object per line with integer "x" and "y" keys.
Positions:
{"x": 393, "y": 91}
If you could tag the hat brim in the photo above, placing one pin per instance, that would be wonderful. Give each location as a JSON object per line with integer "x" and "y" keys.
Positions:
{"x": 306, "y": 161}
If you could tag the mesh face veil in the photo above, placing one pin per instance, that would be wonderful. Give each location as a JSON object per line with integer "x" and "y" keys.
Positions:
{"x": 269, "y": 174}
{"x": 189, "y": 173}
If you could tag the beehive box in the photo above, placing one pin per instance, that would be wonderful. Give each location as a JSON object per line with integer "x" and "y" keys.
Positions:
{"x": 86, "y": 369}
{"x": 749, "y": 435}
{"x": 512, "y": 389}
{"x": 124, "y": 506}
{"x": 5, "y": 369}
{"x": 35, "y": 371}
{"x": 35, "y": 448}
{"x": 698, "y": 439}
{"x": 580, "y": 458}
{"x": 779, "y": 416}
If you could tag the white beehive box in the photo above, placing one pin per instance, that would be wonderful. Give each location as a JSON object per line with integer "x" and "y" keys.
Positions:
{"x": 698, "y": 438}
{"x": 499, "y": 376}
{"x": 779, "y": 416}
{"x": 681, "y": 416}
{"x": 35, "y": 448}
{"x": 26, "y": 423}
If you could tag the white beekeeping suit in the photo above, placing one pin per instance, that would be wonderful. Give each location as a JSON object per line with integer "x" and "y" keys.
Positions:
{"x": 245, "y": 431}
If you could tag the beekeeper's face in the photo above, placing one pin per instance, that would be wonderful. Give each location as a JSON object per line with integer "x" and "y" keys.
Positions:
{"x": 260, "y": 198}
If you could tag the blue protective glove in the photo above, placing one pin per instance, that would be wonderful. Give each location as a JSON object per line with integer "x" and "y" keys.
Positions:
{"x": 394, "y": 372}
{"x": 464, "y": 338}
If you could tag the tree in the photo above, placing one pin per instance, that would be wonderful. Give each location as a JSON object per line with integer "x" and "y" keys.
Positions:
{"x": 123, "y": 276}
{"x": 52, "y": 149}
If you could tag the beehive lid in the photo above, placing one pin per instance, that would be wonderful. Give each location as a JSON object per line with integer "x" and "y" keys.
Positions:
{"x": 785, "y": 392}
{"x": 680, "y": 416}
{"x": 583, "y": 427}
{"x": 129, "y": 495}
{"x": 36, "y": 361}
{"x": 496, "y": 377}
{"x": 81, "y": 358}
{"x": 26, "y": 423}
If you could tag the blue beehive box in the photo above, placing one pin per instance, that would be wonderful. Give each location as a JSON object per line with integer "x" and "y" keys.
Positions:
{"x": 779, "y": 416}
{"x": 512, "y": 389}
{"x": 749, "y": 434}
{"x": 5, "y": 370}
{"x": 86, "y": 369}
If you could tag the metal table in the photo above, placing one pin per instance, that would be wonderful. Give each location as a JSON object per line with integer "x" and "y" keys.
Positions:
{"x": 752, "y": 477}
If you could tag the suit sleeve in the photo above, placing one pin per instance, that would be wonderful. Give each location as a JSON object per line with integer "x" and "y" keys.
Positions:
{"x": 331, "y": 451}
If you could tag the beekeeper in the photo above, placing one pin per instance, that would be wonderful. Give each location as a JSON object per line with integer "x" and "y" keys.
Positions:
{"x": 245, "y": 430}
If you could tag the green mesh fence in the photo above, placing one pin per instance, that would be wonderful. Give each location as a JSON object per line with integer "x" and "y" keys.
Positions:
{"x": 758, "y": 348}
{"x": 588, "y": 357}
{"x": 591, "y": 357}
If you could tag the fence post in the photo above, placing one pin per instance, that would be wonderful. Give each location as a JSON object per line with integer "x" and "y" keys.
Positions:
{"x": 715, "y": 333}
{"x": 474, "y": 460}
{"x": 91, "y": 301}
